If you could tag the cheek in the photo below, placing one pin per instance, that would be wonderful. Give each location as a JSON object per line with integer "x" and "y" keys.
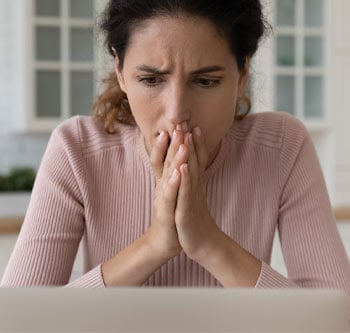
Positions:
{"x": 218, "y": 127}
{"x": 141, "y": 108}
{"x": 145, "y": 117}
{"x": 218, "y": 121}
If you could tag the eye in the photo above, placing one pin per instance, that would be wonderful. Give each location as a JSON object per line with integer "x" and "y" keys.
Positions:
{"x": 150, "y": 81}
{"x": 206, "y": 83}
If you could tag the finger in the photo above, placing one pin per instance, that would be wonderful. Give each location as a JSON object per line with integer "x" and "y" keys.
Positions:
{"x": 166, "y": 197}
{"x": 180, "y": 158}
{"x": 171, "y": 182}
{"x": 175, "y": 143}
{"x": 184, "y": 194}
{"x": 193, "y": 163}
{"x": 170, "y": 189}
{"x": 201, "y": 148}
{"x": 158, "y": 153}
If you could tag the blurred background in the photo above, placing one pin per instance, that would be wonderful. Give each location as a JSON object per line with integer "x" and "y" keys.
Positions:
{"x": 52, "y": 64}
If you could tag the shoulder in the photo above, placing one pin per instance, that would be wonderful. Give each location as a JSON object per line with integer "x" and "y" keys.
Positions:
{"x": 269, "y": 129}
{"x": 90, "y": 135}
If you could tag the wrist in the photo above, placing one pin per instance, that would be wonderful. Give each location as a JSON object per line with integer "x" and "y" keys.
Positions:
{"x": 133, "y": 265}
{"x": 213, "y": 247}
{"x": 163, "y": 249}
{"x": 231, "y": 265}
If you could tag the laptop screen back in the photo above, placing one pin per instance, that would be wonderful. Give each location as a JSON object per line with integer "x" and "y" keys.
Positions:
{"x": 172, "y": 310}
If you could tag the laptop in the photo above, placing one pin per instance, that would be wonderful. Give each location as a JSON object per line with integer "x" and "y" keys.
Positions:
{"x": 172, "y": 310}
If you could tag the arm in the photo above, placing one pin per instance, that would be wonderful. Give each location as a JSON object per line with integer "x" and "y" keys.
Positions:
{"x": 313, "y": 251}
{"x": 137, "y": 262}
{"x": 311, "y": 246}
{"x": 200, "y": 237}
{"x": 54, "y": 223}
{"x": 134, "y": 265}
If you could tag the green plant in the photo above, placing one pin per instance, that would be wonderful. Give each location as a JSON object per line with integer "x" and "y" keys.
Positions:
{"x": 4, "y": 184}
{"x": 19, "y": 179}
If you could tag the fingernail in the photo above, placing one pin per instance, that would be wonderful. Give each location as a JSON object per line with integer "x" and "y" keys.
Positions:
{"x": 190, "y": 139}
{"x": 197, "y": 131}
{"x": 185, "y": 168}
{"x": 174, "y": 175}
{"x": 181, "y": 149}
{"x": 184, "y": 126}
{"x": 179, "y": 127}
{"x": 174, "y": 135}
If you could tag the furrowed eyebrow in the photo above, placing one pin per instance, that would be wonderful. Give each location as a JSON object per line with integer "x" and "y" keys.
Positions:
{"x": 208, "y": 69}
{"x": 153, "y": 70}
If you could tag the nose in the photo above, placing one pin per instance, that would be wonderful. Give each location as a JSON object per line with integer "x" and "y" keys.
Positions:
{"x": 177, "y": 105}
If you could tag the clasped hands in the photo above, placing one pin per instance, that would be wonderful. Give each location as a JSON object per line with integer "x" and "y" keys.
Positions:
{"x": 181, "y": 218}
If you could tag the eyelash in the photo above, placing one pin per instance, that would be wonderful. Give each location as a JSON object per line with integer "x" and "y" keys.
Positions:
{"x": 153, "y": 81}
{"x": 212, "y": 82}
{"x": 147, "y": 81}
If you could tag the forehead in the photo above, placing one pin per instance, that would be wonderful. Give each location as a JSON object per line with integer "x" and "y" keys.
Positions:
{"x": 190, "y": 41}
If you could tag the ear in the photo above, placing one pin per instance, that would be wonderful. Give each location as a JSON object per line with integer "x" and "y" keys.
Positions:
{"x": 243, "y": 80}
{"x": 119, "y": 72}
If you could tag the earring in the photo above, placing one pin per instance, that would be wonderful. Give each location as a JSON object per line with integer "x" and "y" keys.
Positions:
{"x": 114, "y": 51}
{"x": 243, "y": 107}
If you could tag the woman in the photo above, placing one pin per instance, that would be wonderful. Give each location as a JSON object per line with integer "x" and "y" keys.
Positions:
{"x": 169, "y": 184}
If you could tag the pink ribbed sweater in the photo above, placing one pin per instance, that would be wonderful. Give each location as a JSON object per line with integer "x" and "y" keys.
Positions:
{"x": 99, "y": 187}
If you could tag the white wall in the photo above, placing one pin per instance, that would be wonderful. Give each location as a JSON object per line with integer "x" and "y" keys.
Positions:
{"x": 340, "y": 92}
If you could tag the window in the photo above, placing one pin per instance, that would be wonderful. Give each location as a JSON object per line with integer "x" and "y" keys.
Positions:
{"x": 63, "y": 60}
{"x": 299, "y": 59}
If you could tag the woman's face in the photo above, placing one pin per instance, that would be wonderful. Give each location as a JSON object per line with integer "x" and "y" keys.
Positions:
{"x": 180, "y": 70}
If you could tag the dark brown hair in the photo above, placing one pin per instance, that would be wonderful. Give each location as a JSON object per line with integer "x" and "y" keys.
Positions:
{"x": 240, "y": 21}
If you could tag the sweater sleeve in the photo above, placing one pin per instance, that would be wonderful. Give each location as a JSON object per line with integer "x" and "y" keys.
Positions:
{"x": 54, "y": 223}
{"x": 312, "y": 248}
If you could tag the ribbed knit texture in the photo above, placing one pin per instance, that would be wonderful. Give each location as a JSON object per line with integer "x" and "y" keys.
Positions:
{"x": 98, "y": 188}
